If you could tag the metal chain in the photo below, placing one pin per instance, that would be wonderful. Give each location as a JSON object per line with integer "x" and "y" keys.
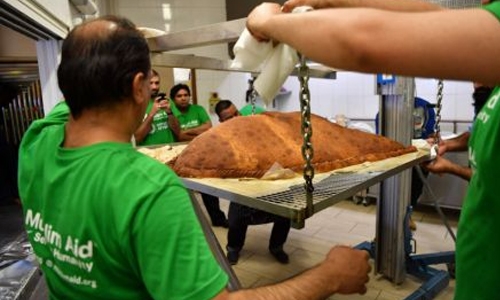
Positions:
{"x": 252, "y": 95}
{"x": 253, "y": 98}
{"x": 439, "y": 104}
{"x": 306, "y": 130}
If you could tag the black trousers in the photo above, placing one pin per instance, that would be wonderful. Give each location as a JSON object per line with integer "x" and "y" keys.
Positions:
{"x": 213, "y": 208}
{"x": 240, "y": 216}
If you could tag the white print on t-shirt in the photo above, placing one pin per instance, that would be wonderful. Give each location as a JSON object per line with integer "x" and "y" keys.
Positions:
{"x": 484, "y": 116}
{"x": 472, "y": 158}
{"x": 190, "y": 124}
{"x": 87, "y": 266}
{"x": 75, "y": 279}
{"x": 65, "y": 248}
{"x": 161, "y": 116}
{"x": 162, "y": 126}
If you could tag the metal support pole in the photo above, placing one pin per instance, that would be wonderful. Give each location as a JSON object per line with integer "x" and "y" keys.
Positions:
{"x": 234, "y": 284}
{"x": 397, "y": 101}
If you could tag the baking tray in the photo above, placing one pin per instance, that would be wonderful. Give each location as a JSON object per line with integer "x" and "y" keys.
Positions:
{"x": 287, "y": 197}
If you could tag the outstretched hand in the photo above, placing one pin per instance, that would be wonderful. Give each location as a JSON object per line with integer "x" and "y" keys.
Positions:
{"x": 442, "y": 148}
{"x": 165, "y": 105}
{"x": 348, "y": 268}
{"x": 160, "y": 103}
{"x": 257, "y": 18}
{"x": 439, "y": 165}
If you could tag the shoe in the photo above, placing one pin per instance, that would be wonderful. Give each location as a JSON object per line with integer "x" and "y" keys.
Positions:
{"x": 233, "y": 256}
{"x": 221, "y": 223}
{"x": 280, "y": 255}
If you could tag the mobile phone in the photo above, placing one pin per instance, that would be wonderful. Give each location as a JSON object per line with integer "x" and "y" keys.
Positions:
{"x": 162, "y": 96}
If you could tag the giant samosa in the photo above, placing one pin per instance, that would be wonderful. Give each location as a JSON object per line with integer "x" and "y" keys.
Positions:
{"x": 249, "y": 146}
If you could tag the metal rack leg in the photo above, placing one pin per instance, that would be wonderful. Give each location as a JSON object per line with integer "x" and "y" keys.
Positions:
{"x": 234, "y": 283}
{"x": 435, "y": 282}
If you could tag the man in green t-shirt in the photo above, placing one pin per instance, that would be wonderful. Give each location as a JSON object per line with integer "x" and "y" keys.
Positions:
{"x": 248, "y": 110}
{"x": 225, "y": 110}
{"x": 107, "y": 222}
{"x": 424, "y": 33}
{"x": 194, "y": 120}
{"x": 441, "y": 165}
{"x": 240, "y": 216}
{"x": 159, "y": 126}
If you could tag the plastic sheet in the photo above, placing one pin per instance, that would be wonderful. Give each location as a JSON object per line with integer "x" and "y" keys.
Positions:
{"x": 17, "y": 264}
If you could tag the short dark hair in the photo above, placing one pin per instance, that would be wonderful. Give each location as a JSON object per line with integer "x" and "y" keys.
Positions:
{"x": 176, "y": 88}
{"x": 221, "y": 106}
{"x": 154, "y": 73}
{"x": 97, "y": 68}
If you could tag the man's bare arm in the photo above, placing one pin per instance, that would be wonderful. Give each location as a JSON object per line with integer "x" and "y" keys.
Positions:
{"x": 190, "y": 134}
{"x": 173, "y": 124}
{"x": 364, "y": 39}
{"x": 144, "y": 129}
{"x": 459, "y": 143}
{"x": 392, "y": 5}
{"x": 344, "y": 271}
{"x": 442, "y": 165}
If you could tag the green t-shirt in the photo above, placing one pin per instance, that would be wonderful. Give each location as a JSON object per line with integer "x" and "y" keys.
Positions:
{"x": 195, "y": 116}
{"x": 107, "y": 222}
{"x": 478, "y": 243}
{"x": 247, "y": 110}
{"x": 494, "y": 8}
{"x": 160, "y": 131}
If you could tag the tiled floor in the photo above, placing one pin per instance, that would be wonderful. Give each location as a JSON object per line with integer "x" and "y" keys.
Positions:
{"x": 344, "y": 223}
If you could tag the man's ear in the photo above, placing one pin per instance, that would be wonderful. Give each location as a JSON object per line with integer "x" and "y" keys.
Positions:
{"x": 140, "y": 88}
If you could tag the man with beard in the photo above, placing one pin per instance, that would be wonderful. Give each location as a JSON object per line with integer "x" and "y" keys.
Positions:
{"x": 160, "y": 126}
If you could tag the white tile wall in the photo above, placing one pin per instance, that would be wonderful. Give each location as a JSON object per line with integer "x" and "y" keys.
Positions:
{"x": 351, "y": 94}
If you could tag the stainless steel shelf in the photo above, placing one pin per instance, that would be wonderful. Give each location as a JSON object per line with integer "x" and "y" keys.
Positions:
{"x": 218, "y": 33}
{"x": 213, "y": 34}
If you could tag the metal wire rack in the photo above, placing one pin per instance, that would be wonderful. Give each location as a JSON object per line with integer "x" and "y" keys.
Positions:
{"x": 289, "y": 200}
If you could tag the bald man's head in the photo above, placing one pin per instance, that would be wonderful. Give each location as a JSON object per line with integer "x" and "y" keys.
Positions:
{"x": 99, "y": 61}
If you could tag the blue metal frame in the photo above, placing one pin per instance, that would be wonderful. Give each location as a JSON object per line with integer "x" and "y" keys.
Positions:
{"x": 386, "y": 79}
{"x": 419, "y": 265}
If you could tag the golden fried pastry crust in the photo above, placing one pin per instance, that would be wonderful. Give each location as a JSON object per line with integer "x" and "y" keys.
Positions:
{"x": 249, "y": 146}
